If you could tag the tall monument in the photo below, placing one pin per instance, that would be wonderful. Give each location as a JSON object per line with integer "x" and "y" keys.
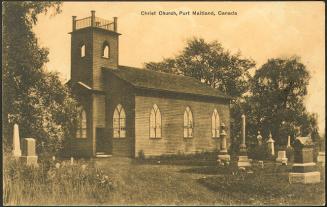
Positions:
{"x": 223, "y": 154}
{"x": 243, "y": 160}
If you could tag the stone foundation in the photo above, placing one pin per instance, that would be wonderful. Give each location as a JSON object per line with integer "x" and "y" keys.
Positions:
{"x": 224, "y": 157}
{"x": 29, "y": 160}
{"x": 309, "y": 177}
{"x": 243, "y": 161}
{"x": 321, "y": 157}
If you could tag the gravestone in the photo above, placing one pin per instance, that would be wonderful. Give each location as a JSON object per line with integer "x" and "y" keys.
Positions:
{"x": 260, "y": 163}
{"x": 304, "y": 170}
{"x": 29, "y": 156}
{"x": 16, "y": 142}
{"x": 243, "y": 160}
{"x": 288, "y": 142}
{"x": 321, "y": 158}
{"x": 282, "y": 157}
{"x": 259, "y": 139}
{"x": 223, "y": 155}
{"x": 271, "y": 145}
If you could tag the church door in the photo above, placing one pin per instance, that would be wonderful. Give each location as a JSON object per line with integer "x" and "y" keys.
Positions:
{"x": 100, "y": 140}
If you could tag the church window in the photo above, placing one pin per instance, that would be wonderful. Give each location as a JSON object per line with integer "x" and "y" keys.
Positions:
{"x": 119, "y": 122}
{"x": 188, "y": 123}
{"x": 105, "y": 50}
{"x": 83, "y": 51}
{"x": 155, "y": 122}
{"x": 215, "y": 124}
{"x": 81, "y": 125}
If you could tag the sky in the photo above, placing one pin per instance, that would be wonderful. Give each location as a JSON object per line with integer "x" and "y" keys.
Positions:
{"x": 260, "y": 30}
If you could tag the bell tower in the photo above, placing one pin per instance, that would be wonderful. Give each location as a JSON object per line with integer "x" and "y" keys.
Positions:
{"x": 94, "y": 44}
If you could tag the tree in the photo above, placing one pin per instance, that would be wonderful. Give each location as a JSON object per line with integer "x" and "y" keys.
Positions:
{"x": 276, "y": 103}
{"x": 210, "y": 63}
{"x": 32, "y": 97}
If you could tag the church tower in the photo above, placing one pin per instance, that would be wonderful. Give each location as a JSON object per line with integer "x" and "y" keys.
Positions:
{"x": 94, "y": 44}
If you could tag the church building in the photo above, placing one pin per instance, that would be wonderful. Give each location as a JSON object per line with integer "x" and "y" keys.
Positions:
{"x": 128, "y": 111}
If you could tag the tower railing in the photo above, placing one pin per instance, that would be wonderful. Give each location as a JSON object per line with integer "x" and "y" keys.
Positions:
{"x": 93, "y": 21}
{"x": 82, "y": 23}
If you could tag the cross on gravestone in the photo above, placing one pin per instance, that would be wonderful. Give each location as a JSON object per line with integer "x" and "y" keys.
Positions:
{"x": 29, "y": 156}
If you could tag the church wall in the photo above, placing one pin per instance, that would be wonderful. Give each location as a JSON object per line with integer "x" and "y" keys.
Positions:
{"x": 119, "y": 92}
{"x": 83, "y": 147}
{"x": 98, "y": 118}
{"x": 172, "y": 113}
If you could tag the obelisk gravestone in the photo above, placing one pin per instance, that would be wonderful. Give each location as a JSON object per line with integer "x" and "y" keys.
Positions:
{"x": 243, "y": 160}
{"x": 16, "y": 142}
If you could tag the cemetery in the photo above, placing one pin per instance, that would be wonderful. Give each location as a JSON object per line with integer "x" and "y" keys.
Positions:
{"x": 225, "y": 178}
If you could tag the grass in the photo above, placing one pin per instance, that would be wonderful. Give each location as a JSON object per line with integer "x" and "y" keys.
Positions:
{"x": 53, "y": 184}
{"x": 172, "y": 180}
{"x": 266, "y": 186}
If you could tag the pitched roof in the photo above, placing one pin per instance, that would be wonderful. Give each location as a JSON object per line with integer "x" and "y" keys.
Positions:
{"x": 149, "y": 79}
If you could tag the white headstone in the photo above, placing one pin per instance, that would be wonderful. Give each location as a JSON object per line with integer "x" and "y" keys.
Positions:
{"x": 259, "y": 138}
{"x": 16, "y": 142}
{"x": 288, "y": 141}
{"x": 261, "y": 163}
{"x": 271, "y": 145}
{"x": 282, "y": 157}
{"x": 321, "y": 157}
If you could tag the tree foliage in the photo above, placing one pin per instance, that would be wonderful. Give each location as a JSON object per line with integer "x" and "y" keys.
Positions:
{"x": 211, "y": 64}
{"x": 272, "y": 99}
{"x": 276, "y": 102}
{"x": 32, "y": 97}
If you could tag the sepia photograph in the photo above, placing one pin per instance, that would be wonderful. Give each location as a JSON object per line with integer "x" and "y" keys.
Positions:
{"x": 163, "y": 103}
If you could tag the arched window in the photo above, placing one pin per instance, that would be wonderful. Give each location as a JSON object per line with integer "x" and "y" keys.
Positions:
{"x": 83, "y": 50}
{"x": 155, "y": 122}
{"x": 215, "y": 124}
{"x": 105, "y": 50}
{"x": 82, "y": 124}
{"x": 188, "y": 123}
{"x": 119, "y": 122}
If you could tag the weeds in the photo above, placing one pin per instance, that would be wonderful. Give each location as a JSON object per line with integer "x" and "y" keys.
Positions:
{"x": 54, "y": 181}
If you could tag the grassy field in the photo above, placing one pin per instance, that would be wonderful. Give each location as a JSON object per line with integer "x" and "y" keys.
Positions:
{"x": 122, "y": 181}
